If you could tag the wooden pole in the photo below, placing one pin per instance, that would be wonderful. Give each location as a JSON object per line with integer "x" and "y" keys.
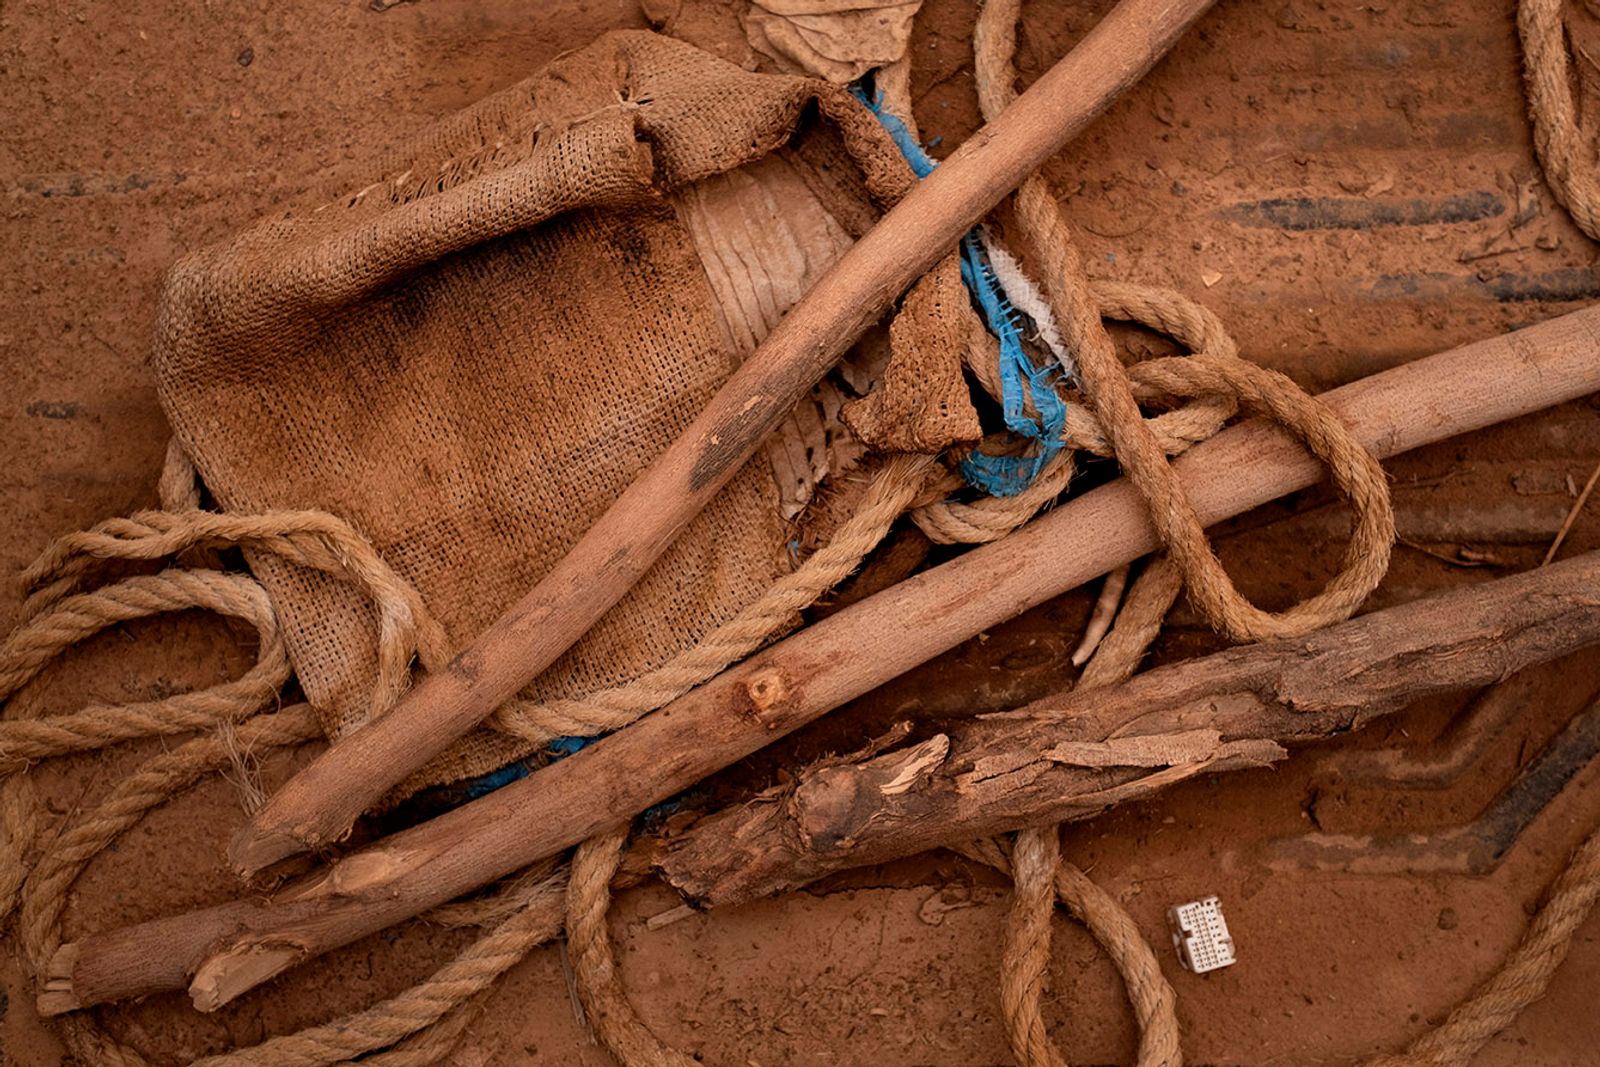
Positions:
{"x": 319, "y": 804}
{"x": 232, "y": 948}
{"x": 1071, "y": 756}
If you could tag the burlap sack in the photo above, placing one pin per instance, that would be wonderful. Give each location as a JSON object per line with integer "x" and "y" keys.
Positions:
{"x": 470, "y": 356}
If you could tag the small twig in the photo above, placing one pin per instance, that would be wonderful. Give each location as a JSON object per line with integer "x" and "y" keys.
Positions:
{"x": 1572, "y": 516}
{"x": 578, "y": 1014}
{"x": 1457, "y": 560}
{"x": 1105, "y": 611}
{"x": 670, "y": 916}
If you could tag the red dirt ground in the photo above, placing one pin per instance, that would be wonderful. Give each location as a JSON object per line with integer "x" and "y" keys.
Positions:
{"x": 1395, "y": 129}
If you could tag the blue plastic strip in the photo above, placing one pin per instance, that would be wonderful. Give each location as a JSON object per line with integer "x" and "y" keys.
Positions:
{"x": 485, "y": 784}
{"x": 1020, "y": 380}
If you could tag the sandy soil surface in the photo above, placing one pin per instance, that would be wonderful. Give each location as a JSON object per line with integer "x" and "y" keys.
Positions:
{"x": 1349, "y": 185}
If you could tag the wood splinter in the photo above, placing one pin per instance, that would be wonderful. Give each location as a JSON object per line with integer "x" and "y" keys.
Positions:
{"x": 833, "y": 661}
{"x": 238, "y": 969}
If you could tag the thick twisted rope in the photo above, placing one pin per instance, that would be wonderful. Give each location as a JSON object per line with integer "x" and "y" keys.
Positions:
{"x": 1026, "y": 946}
{"x": 1521, "y": 979}
{"x": 891, "y": 491}
{"x": 989, "y": 518}
{"x": 178, "y": 485}
{"x": 1567, "y": 158}
{"x": 1042, "y": 878}
{"x": 594, "y": 965}
{"x": 1137, "y": 625}
{"x": 59, "y": 618}
{"x": 21, "y": 824}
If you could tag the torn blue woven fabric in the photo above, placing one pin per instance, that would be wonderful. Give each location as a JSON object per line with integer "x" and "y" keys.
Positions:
{"x": 560, "y": 748}
{"x": 1020, "y": 380}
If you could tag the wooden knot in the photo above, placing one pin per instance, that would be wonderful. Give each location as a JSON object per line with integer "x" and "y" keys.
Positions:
{"x": 766, "y": 689}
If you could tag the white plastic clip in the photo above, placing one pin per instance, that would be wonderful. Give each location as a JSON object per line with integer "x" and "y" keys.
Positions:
{"x": 1200, "y": 934}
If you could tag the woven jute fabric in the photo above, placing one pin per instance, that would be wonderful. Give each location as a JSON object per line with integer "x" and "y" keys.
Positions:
{"x": 471, "y": 354}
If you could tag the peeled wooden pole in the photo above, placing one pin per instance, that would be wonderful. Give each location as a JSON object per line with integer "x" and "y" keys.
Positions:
{"x": 319, "y": 804}
{"x": 236, "y": 946}
{"x": 1073, "y": 755}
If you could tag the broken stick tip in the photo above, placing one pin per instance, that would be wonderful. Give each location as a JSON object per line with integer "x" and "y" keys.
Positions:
{"x": 254, "y": 849}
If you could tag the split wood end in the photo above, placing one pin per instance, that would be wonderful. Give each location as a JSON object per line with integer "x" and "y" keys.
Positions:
{"x": 253, "y": 850}
{"x": 59, "y": 996}
{"x": 239, "y": 969}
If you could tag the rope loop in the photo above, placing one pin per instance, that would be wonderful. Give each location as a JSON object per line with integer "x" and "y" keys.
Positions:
{"x": 1355, "y": 473}
{"x": 1143, "y": 456}
{"x": 28, "y": 649}
{"x": 312, "y": 539}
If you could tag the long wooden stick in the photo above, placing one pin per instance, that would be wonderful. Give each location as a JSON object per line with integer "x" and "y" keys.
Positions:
{"x": 323, "y": 800}
{"x": 232, "y": 948}
{"x": 1070, "y": 756}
